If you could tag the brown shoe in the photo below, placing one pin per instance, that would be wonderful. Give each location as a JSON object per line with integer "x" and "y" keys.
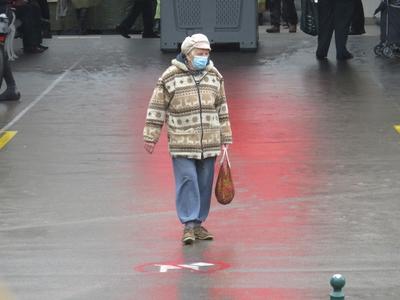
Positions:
{"x": 202, "y": 234}
{"x": 292, "y": 28}
{"x": 274, "y": 29}
{"x": 188, "y": 236}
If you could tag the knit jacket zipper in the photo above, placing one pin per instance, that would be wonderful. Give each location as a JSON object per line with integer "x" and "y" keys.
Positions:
{"x": 201, "y": 115}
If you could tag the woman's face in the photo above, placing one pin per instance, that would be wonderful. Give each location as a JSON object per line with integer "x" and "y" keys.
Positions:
{"x": 197, "y": 52}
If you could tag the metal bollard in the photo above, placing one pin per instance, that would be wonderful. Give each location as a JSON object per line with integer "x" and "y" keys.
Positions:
{"x": 337, "y": 282}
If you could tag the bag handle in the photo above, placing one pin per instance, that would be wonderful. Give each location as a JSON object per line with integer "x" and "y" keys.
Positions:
{"x": 225, "y": 155}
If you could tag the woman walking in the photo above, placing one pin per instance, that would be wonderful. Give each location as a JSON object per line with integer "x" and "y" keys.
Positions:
{"x": 190, "y": 99}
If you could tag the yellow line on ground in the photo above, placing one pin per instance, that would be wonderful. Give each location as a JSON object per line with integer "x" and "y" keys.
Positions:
{"x": 6, "y": 138}
{"x": 397, "y": 127}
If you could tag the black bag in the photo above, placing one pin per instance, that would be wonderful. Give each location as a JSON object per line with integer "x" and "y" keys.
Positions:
{"x": 309, "y": 17}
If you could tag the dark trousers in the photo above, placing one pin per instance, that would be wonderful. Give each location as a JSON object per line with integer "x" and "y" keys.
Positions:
{"x": 358, "y": 22}
{"x": 44, "y": 8}
{"x": 82, "y": 15}
{"x": 30, "y": 15}
{"x": 45, "y": 12}
{"x": 7, "y": 74}
{"x": 334, "y": 16}
{"x": 289, "y": 12}
{"x": 144, "y": 7}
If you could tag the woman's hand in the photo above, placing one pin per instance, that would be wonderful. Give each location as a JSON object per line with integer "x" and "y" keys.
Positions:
{"x": 149, "y": 147}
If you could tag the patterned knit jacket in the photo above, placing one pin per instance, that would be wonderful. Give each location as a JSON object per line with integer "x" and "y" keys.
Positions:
{"x": 195, "y": 110}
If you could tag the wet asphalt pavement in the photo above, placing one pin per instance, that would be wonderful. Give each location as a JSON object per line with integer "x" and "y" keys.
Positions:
{"x": 86, "y": 214}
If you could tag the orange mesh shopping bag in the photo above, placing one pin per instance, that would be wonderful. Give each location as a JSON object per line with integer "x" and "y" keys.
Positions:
{"x": 224, "y": 189}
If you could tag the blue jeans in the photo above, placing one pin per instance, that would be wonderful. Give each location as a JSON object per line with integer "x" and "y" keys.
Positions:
{"x": 194, "y": 182}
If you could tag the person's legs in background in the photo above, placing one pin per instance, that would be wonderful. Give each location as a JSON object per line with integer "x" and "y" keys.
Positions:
{"x": 45, "y": 11}
{"x": 275, "y": 13}
{"x": 144, "y": 7}
{"x": 344, "y": 10}
{"x": 11, "y": 93}
{"x": 126, "y": 24}
{"x": 30, "y": 15}
{"x": 326, "y": 27}
{"x": 285, "y": 20}
{"x": 148, "y": 19}
{"x": 291, "y": 14}
{"x": 82, "y": 15}
{"x": 358, "y": 20}
{"x": 157, "y": 17}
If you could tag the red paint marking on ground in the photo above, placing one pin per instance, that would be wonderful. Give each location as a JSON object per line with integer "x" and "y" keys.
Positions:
{"x": 273, "y": 151}
{"x": 255, "y": 294}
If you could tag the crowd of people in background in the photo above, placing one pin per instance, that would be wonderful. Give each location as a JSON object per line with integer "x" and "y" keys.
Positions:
{"x": 34, "y": 19}
{"x": 342, "y": 17}
{"x": 339, "y": 17}
{"x": 33, "y": 25}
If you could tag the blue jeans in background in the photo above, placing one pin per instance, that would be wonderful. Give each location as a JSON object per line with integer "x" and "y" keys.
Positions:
{"x": 194, "y": 182}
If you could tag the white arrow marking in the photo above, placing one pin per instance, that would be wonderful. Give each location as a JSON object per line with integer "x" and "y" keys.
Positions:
{"x": 193, "y": 266}
{"x": 202, "y": 264}
{"x": 196, "y": 268}
{"x": 165, "y": 268}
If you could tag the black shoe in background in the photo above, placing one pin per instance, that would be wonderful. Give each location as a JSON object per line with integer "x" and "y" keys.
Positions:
{"x": 34, "y": 50}
{"x": 274, "y": 29}
{"x": 10, "y": 95}
{"x": 356, "y": 32}
{"x": 344, "y": 56}
{"x": 122, "y": 31}
{"x": 150, "y": 35}
{"x": 43, "y": 47}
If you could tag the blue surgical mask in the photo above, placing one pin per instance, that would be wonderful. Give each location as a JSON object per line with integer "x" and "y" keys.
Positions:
{"x": 200, "y": 62}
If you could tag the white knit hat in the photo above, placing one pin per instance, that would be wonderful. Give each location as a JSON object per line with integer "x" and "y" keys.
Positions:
{"x": 198, "y": 40}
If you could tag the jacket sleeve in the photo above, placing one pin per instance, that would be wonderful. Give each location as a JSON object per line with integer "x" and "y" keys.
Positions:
{"x": 156, "y": 113}
{"x": 223, "y": 113}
